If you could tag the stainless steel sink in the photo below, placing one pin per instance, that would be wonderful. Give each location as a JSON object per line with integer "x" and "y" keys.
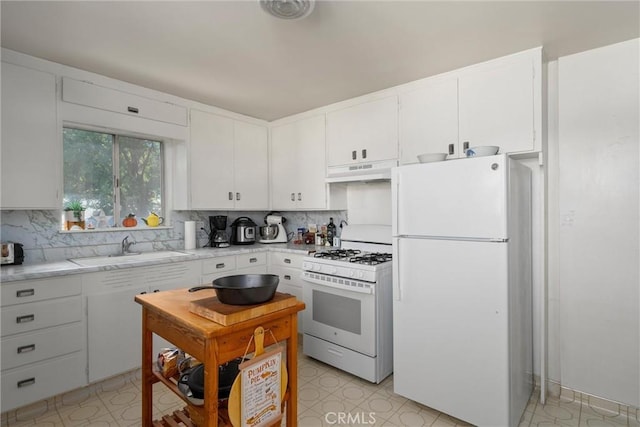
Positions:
{"x": 126, "y": 259}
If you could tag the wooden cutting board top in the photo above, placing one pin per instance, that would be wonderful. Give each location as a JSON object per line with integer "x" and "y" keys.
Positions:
{"x": 226, "y": 314}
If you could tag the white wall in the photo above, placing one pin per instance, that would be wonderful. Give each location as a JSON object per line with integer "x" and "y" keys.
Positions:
{"x": 369, "y": 202}
{"x": 598, "y": 240}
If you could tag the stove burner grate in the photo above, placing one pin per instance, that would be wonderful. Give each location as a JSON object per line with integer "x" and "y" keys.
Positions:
{"x": 374, "y": 258}
{"x": 337, "y": 254}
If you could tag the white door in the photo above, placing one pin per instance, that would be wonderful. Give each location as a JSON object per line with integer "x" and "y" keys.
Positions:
{"x": 450, "y": 320}
{"x": 31, "y": 155}
{"x": 497, "y": 105}
{"x": 251, "y": 159}
{"x": 365, "y": 132}
{"x": 212, "y": 162}
{"x": 114, "y": 331}
{"x": 428, "y": 120}
{"x": 464, "y": 198}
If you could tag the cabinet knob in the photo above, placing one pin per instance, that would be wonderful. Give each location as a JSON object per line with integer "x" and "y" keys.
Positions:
{"x": 465, "y": 146}
{"x": 293, "y": 197}
{"x": 220, "y": 265}
{"x": 354, "y": 155}
{"x": 230, "y": 195}
{"x": 25, "y": 293}
{"x": 26, "y": 348}
{"x": 299, "y": 197}
{"x": 364, "y": 153}
{"x": 451, "y": 149}
{"x": 253, "y": 260}
{"x": 133, "y": 110}
{"x": 27, "y": 382}
{"x": 287, "y": 277}
{"x": 287, "y": 260}
{"x": 26, "y": 318}
{"x": 237, "y": 196}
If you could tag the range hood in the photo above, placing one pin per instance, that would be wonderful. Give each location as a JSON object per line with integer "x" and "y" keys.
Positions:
{"x": 372, "y": 171}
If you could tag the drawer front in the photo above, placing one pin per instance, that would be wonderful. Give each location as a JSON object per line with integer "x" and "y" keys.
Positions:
{"x": 288, "y": 277}
{"x": 38, "y": 290}
{"x": 251, "y": 260}
{"x": 39, "y": 381}
{"x": 91, "y": 95}
{"x": 30, "y": 317}
{"x": 218, "y": 265}
{"x": 47, "y": 343}
{"x": 286, "y": 259}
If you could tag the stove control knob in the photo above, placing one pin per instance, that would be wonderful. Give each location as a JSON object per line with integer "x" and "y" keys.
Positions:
{"x": 333, "y": 270}
{"x": 352, "y": 273}
{"x": 317, "y": 267}
{"x": 360, "y": 274}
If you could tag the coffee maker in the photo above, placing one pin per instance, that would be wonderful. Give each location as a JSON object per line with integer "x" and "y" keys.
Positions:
{"x": 218, "y": 236}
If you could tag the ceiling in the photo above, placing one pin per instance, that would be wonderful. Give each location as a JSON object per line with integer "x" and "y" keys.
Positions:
{"x": 233, "y": 55}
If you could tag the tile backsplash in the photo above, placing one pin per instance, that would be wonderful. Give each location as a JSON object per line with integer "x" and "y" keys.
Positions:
{"x": 39, "y": 232}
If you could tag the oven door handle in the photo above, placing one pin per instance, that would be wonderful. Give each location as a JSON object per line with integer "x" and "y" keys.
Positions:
{"x": 369, "y": 290}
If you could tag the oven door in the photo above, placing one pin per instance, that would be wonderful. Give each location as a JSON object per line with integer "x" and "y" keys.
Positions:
{"x": 341, "y": 311}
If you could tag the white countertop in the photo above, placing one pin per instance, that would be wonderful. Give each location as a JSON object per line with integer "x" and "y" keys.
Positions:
{"x": 62, "y": 268}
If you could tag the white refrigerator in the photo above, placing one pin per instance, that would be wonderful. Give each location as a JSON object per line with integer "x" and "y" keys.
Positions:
{"x": 462, "y": 329}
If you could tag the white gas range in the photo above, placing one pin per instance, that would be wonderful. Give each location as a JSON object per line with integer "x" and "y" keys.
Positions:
{"x": 348, "y": 297}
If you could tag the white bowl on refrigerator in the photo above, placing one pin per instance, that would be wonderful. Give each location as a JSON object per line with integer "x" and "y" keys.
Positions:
{"x": 431, "y": 157}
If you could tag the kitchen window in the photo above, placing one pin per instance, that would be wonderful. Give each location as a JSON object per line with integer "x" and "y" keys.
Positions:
{"x": 111, "y": 176}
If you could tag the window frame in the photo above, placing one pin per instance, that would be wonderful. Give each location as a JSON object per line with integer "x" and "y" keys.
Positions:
{"x": 117, "y": 211}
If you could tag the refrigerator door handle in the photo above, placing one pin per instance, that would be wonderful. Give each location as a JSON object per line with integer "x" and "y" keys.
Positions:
{"x": 395, "y": 264}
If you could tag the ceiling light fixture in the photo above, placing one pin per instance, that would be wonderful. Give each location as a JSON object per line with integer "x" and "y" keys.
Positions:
{"x": 288, "y": 9}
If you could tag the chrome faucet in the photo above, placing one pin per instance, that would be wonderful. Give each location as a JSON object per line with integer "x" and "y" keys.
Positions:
{"x": 126, "y": 245}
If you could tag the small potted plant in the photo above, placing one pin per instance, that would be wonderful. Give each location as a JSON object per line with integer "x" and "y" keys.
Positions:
{"x": 74, "y": 214}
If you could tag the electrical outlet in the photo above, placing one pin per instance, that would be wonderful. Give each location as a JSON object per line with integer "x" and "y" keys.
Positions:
{"x": 199, "y": 225}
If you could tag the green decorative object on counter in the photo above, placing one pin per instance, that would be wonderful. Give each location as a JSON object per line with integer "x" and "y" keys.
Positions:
{"x": 74, "y": 215}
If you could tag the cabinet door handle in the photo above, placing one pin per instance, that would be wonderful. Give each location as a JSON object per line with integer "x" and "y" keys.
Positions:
{"x": 27, "y": 382}
{"x": 230, "y": 195}
{"x": 221, "y": 265}
{"x": 253, "y": 260}
{"x": 354, "y": 155}
{"x": 287, "y": 260}
{"x": 299, "y": 197}
{"x": 143, "y": 292}
{"x": 25, "y": 293}
{"x": 26, "y": 348}
{"x": 156, "y": 290}
{"x": 26, "y": 318}
{"x": 133, "y": 110}
{"x": 451, "y": 149}
{"x": 364, "y": 153}
{"x": 293, "y": 197}
{"x": 465, "y": 146}
{"x": 287, "y": 277}
{"x": 237, "y": 196}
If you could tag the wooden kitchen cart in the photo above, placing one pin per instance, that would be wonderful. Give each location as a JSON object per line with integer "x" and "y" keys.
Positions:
{"x": 167, "y": 315}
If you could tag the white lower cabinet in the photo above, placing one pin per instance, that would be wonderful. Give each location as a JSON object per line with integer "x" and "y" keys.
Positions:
{"x": 114, "y": 318}
{"x": 288, "y": 267}
{"x": 43, "y": 340}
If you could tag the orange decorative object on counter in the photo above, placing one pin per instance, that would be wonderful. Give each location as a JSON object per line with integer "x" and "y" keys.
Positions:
{"x": 130, "y": 221}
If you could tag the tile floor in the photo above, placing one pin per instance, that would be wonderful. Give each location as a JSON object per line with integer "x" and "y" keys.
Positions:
{"x": 323, "y": 391}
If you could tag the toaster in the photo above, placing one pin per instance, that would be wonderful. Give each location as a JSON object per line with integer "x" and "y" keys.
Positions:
{"x": 12, "y": 254}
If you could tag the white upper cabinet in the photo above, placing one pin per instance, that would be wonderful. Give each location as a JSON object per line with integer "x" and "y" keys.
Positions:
{"x": 363, "y": 133}
{"x": 429, "y": 119}
{"x": 298, "y": 167}
{"x": 493, "y": 103}
{"x": 96, "y": 96}
{"x": 251, "y": 166}
{"x": 31, "y": 147}
{"x": 229, "y": 163}
{"x": 497, "y": 104}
